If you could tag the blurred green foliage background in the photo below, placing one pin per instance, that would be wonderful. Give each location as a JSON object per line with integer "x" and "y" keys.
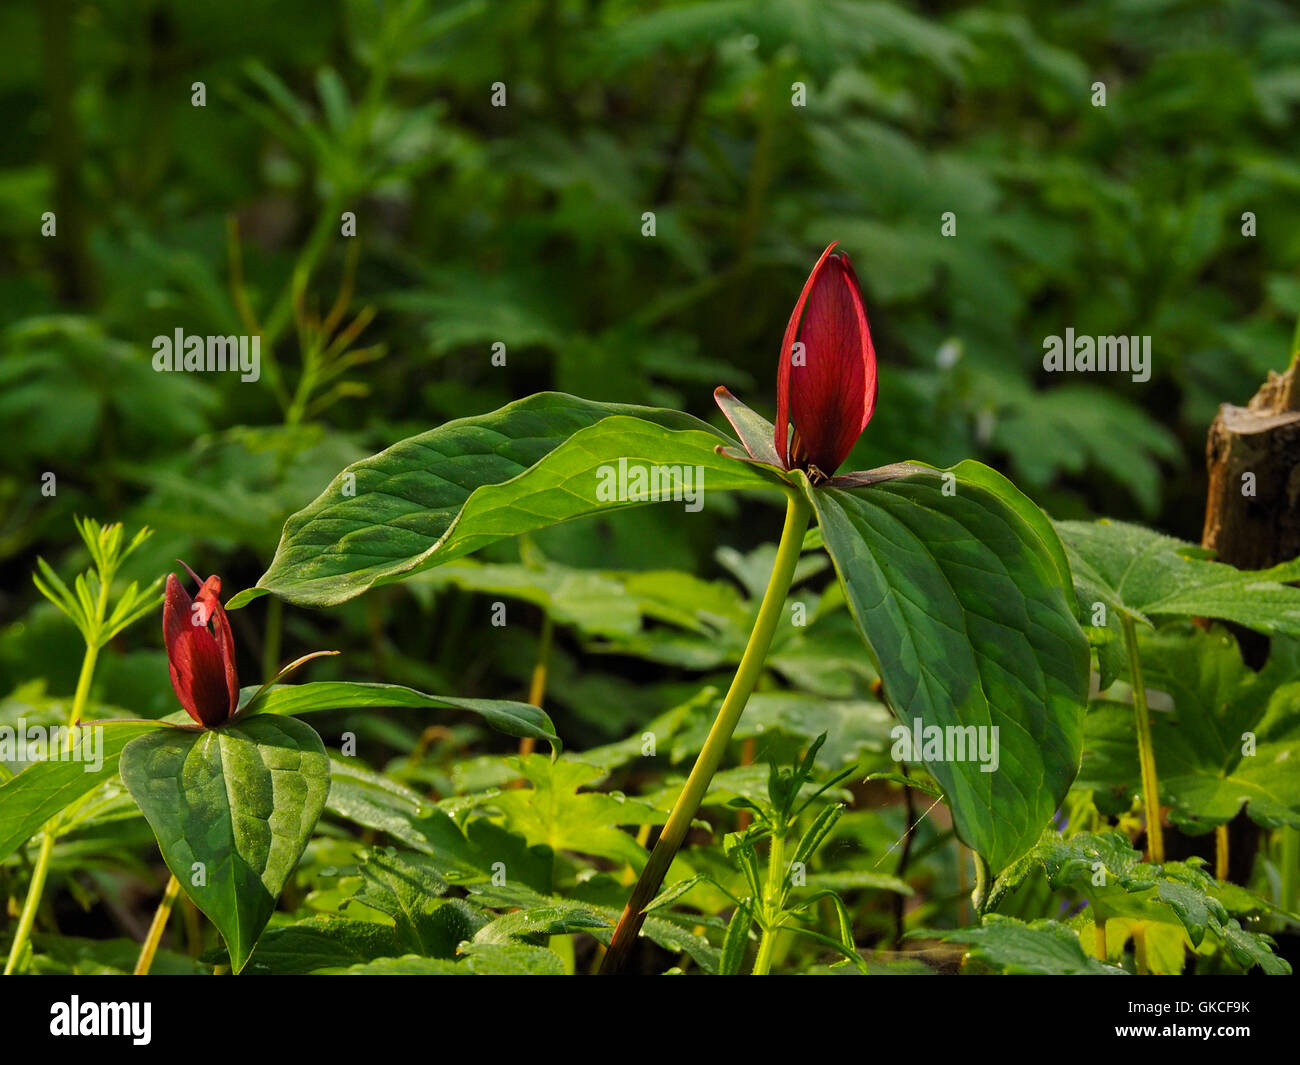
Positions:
{"x": 523, "y": 225}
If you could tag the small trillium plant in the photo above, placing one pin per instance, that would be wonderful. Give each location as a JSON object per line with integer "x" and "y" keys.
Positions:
{"x": 233, "y": 787}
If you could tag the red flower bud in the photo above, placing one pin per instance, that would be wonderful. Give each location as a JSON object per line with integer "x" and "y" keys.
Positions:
{"x": 827, "y": 388}
{"x": 200, "y": 651}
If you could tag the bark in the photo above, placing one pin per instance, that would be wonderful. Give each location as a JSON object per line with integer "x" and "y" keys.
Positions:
{"x": 1259, "y": 442}
{"x": 1251, "y": 531}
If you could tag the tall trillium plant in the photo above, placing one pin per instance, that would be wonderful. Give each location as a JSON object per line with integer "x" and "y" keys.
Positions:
{"x": 958, "y": 583}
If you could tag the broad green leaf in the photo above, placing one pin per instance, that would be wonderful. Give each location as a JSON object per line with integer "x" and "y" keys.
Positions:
{"x": 664, "y": 728}
{"x": 41, "y": 790}
{"x": 1128, "y": 569}
{"x": 481, "y": 851}
{"x": 512, "y": 718}
{"x": 1014, "y": 947}
{"x": 447, "y": 492}
{"x": 854, "y": 725}
{"x": 319, "y": 943}
{"x": 233, "y": 809}
{"x": 1231, "y": 741}
{"x": 964, "y": 597}
{"x": 484, "y": 852}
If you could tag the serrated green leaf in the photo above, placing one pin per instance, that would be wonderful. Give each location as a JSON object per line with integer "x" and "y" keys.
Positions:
{"x": 1012, "y": 946}
{"x": 511, "y": 959}
{"x": 408, "y": 888}
{"x": 1133, "y": 570}
{"x": 1231, "y": 741}
{"x": 1105, "y": 869}
{"x": 554, "y": 812}
{"x": 542, "y": 920}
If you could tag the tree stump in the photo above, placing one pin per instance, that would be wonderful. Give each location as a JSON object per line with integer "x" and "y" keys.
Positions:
{"x": 1252, "y": 511}
{"x": 1252, "y": 521}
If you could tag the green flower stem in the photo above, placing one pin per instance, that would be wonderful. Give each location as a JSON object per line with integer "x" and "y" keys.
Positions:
{"x": 1146, "y": 750}
{"x": 537, "y": 686}
{"x": 979, "y": 898}
{"x": 772, "y": 893}
{"x": 1221, "y": 852}
{"x": 797, "y": 515}
{"x": 1290, "y": 867}
{"x": 151, "y": 941}
{"x": 1140, "y": 962}
{"x": 36, "y": 888}
{"x": 34, "y": 892}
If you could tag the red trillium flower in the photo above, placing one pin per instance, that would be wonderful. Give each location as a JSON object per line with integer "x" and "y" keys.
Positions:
{"x": 200, "y": 651}
{"x": 826, "y": 386}
{"x": 826, "y": 379}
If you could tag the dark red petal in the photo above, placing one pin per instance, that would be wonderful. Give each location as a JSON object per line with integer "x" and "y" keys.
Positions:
{"x": 226, "y": 644}
{"x": 833, "y": 395}
{"x": 783, "y": 367}
{"x": 201, "y": 665}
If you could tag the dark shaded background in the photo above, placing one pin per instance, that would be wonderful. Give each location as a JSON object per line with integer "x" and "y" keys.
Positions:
{"x": 523, "y": 225}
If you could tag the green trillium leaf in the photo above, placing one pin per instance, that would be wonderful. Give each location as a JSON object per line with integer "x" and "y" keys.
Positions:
{"x": 962, "y": 592}
{"x": 504, "y": 715}
{"x": 232, "y": 809}
{"x": 44, "y": 788}
{"x": 435, "y": 497}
